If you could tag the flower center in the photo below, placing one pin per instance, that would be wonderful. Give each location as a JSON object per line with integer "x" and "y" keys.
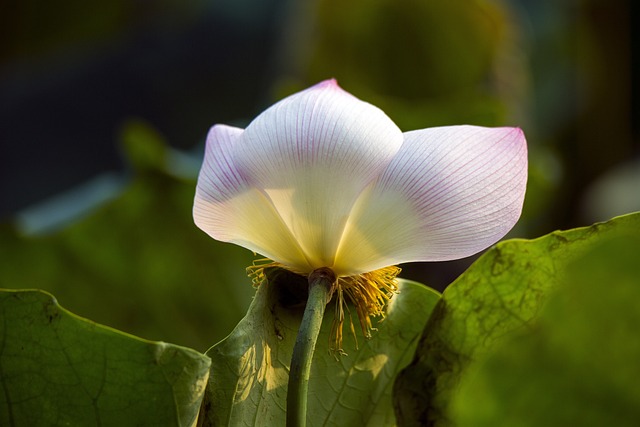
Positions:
{"x": 368, "y": 293}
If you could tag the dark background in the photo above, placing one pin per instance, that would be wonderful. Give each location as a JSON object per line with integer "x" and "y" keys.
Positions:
{"x": 80, "y": 80}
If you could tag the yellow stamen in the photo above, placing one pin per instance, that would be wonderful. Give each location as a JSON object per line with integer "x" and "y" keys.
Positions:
{"x": 367, "y": 292}
{"x": 256, "y": 270}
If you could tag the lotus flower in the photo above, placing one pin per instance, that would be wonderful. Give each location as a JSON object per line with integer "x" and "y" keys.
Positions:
{"x": 323, "y": 179}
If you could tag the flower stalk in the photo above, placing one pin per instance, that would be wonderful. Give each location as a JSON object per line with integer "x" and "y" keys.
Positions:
{"x": 321, "y": 283}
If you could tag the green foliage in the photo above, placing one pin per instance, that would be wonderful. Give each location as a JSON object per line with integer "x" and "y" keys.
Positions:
{"x": 519, "y": 316}
{"x": 138, "y": 263}
{"x": 248, "y": 380}
{"x": 499, "y": 295}
{"x": 398, "y": 55}
{"x": 59, "y": 369}
{"x": 578, "y": 363}
{"x": 518, "y": 339}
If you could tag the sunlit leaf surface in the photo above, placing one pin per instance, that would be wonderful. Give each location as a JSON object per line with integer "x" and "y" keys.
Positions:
{"x": 579, "y": 363}
{"x": 59, "y": 369}
{"x": 501, "y": 293}
{"x": 248, "y": 381}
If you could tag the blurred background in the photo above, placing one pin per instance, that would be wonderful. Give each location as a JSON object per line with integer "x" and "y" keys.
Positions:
{"x": 104, "y": 107}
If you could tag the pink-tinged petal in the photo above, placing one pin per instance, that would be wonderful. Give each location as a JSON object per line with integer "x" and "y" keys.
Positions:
{"x": 312, "y": 154}
{"x": 449, "y": 193}
{"x": 228, "y": 209}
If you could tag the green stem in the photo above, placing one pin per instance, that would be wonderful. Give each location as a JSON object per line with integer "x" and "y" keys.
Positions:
{"x": 320, "y": 284}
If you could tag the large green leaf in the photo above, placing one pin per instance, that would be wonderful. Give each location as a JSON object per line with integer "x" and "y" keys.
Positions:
{"x": 499, "y": 294}
{"x": 59, "y": 369}
{"x": 580, "y": 362}
{"x": 248, "y": 382}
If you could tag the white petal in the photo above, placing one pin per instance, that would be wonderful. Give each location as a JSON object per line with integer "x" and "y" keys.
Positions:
{"x": 449, "y": 193}
{"x": 228, "y": 209}
{"x": 313, "y": 153}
